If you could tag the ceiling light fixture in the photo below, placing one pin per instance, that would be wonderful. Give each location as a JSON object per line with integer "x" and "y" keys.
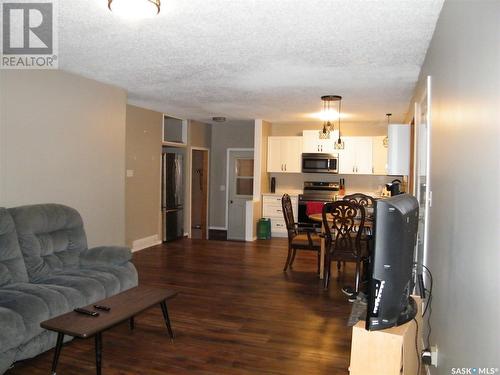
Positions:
{"x": 135, "y": 8}
{"x": 329, "y": 115}
{"x": 219, "y": 119}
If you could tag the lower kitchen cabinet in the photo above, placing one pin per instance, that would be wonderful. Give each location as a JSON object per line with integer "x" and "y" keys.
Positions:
{"x": 271, "y": 208}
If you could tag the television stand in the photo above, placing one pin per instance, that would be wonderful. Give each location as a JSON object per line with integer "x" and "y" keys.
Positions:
{"x": 390, "y": 351}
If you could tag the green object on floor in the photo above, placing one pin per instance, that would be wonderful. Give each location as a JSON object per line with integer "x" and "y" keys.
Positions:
{"x": 264, "y": 229}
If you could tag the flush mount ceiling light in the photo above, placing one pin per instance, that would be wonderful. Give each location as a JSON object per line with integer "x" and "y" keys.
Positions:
{"x": 135, "y": 8}
{"x": 329, "y": 115}
{"x": 219, "y": 119}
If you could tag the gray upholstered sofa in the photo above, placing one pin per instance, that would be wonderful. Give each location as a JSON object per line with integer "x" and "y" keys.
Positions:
{"x": 46, "y": 269}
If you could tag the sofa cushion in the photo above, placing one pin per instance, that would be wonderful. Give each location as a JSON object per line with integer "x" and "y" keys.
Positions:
{"x": 12, "y": 267}
{"x": 12, "y": 329}
{"x": 105, "y": 256}
{"x": 126, "y": 274}
{"x": 108, "y": 281}
{"x": 91, "y": 289}
{"x": 31, "y": 308}
{"x": 51, "y": 237}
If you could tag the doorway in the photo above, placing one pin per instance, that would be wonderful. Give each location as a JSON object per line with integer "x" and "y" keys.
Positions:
{"x": 199, "y": 193}
{"x": 240, "y": 190}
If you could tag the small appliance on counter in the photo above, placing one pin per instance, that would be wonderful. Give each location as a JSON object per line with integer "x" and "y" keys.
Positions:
{"x": 394, "y": 187}
{"x": 273, "y": 185}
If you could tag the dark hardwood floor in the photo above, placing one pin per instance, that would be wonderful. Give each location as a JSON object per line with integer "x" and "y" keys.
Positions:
{"x": 237, "y": 313}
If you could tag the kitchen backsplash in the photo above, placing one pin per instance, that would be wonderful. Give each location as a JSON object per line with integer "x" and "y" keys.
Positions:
{"x": 294, "y": 182}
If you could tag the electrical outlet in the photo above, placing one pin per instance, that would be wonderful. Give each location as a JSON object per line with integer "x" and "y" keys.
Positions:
{"x": 434, "y": 356}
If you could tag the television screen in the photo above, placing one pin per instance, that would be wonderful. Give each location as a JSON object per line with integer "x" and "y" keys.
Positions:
{"x": 391, "y": 264}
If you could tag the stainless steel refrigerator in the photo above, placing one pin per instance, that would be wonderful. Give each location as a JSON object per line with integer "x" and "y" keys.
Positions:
{"x": 172, "y": 196}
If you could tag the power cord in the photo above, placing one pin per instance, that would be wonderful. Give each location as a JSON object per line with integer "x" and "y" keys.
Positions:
{"x": 428, "y": 307}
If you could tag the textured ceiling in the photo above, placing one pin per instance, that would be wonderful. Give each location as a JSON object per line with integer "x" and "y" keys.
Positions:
{"x": 247, "y": 59}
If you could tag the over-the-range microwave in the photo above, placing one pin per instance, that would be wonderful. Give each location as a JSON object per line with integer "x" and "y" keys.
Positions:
{"x": 320, "y": 163}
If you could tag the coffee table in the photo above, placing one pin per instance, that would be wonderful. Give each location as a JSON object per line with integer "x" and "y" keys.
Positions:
{"x": 124, "y": 306}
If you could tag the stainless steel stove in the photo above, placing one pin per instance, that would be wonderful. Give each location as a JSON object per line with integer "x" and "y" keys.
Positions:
{"x": 315, "y": 191}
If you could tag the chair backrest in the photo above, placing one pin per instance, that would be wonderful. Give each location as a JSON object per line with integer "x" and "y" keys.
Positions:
{"x": 366, "y": 201}
{"x": 286, "y": 205}
{"x": 51, "y": 237}
{"x": 12, "y": 267}
{"x": 343, "y": 222}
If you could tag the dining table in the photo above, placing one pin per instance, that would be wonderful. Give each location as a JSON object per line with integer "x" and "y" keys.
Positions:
{"x": 319, "y": 218}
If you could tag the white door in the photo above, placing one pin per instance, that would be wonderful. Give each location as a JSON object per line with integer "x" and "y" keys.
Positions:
{"x": 347, "y": 158}
{"x": 291, "y": 154}
{"x": 364, "y": 156}
{"x": 310, "y": 141}
{"x": 240, "y": 190}
{"x": 274, "y": 159}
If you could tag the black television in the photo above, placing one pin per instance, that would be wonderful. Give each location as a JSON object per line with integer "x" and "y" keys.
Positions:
{"x": 391, "y": 265}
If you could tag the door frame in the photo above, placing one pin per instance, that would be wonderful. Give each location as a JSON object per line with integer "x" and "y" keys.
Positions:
{"x": 228, "y": 151}
{"x": 425, "y": 98}
{"x": 190, "y": 172}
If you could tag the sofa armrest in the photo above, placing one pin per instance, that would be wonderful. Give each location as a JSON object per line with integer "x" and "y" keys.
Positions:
{"x": 105, "y": 256}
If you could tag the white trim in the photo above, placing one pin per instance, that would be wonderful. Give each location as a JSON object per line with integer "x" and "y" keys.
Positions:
{"x": 191, "y": 149}
{"x": 428, "y": 190}
{"x": 249, "y": 220}
{"x": 217, "y": 228}
{"x": 145, "y": 242}
{"x": 228, "y": 151}
{"x": 257, "y": 169}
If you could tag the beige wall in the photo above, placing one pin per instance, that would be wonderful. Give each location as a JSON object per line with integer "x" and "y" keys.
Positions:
{"x": 224, "y": 136}
{"x": 464, "y": 240}
{"x": 62, "y": 140}
{"x": 143, "y": 157}
{"x": 347, "y": 129}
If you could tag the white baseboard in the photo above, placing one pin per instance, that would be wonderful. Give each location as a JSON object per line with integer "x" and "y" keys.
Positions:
{"x": 145, "y": 242}
{"x": 217, "y": 228}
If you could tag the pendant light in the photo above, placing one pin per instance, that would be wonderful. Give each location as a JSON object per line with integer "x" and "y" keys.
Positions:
{"x": 135, "y": 8}
{"x": 328, "y": 126}
{"x": 386, "y": 139}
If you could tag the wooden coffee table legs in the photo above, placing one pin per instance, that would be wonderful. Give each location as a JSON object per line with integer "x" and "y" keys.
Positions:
{"x": 98, "y": 341}
{"x": 167, "y": 320}
{"x": 60, "y": 337}
{"x": 98, "y": 353}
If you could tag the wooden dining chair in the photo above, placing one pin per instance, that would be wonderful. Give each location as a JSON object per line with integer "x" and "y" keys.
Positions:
{"x": 299, "y": 238}
{"x": 368, "y": 203}
{"x": 343, "y": 223}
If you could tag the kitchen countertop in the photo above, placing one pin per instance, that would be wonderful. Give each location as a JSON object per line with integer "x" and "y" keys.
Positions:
{"x": 294, "y": 193}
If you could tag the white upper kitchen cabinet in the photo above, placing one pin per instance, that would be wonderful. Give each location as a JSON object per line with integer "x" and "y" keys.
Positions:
{"x": 379, "y": 156}
{"x": 284, "y": 155}
{"x": 312, "y": 144}
{"x": 398, "y": 159}
{"x": 356, "y": 157}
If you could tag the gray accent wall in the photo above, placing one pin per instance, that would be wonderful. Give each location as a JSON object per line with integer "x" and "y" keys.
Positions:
{"x": 224, "y": 136}
{"x": 62, "y": 140}
{"x": 464, "y": 243}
